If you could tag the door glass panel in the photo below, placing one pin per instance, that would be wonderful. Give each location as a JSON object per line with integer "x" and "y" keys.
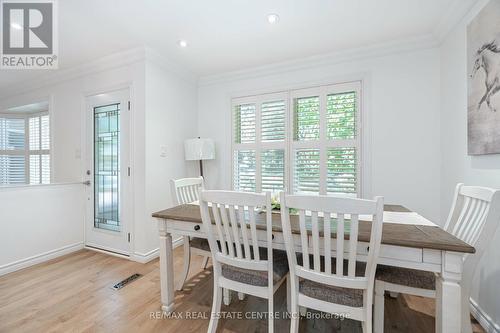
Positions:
{"x": 107, "y": 167}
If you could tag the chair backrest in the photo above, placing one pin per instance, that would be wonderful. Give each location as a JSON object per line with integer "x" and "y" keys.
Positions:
{"x": 231, "y": 218}
{"x": 186, "y": 190}
{"x": 474, "y": 217}
{"x": 340, "y": 218}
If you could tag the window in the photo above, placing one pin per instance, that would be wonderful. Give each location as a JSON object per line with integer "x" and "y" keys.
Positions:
{"x": 259, "y": 143}
{"x": 24, "y": 149}
{"x": 301, "y": 141}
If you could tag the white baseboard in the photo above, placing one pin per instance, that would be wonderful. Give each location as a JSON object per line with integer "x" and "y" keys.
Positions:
{"x": 39, "y": 258}
{"x": 153, "y": 254}
{"x": 483, "y": 318}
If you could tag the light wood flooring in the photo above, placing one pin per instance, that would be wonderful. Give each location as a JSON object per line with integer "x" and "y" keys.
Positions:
{"x": 73, "y": 294}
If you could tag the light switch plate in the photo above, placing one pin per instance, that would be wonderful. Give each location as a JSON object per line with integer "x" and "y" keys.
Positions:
{"x": 163, "y": 151}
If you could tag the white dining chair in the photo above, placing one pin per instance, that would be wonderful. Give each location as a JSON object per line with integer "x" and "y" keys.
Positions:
{"x": 186, "y": 190}
{"x": 339, "y": 285}
{"x": 230, "y": 221}
{"x": 473, "y": 218}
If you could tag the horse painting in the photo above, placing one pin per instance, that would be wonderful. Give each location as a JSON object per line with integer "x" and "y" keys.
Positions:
{"x": 488, "y": 59}
{"x": 483, "y": 84}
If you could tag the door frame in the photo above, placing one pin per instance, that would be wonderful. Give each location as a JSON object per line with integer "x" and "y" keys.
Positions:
{"x": 87, "y": 163}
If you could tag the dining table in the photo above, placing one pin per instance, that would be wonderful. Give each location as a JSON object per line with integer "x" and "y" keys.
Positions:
{"x": 408, "y": 240}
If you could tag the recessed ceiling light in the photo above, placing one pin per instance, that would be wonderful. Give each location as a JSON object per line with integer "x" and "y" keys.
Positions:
{"x": 16, "y": 26}
{"x": 273, "y": 18}
{"x": 182, "y": 43}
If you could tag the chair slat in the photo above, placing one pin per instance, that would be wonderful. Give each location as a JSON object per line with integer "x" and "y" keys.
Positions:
{"x": 225, "y": 223}
{"x": 339, "y": 269}
{"x": 470, "y": 221}
{"x": 303, "y": 238}
{"x": 461, "y": 217}
{"x": 315, "y": 242}
{"x": 477, "y": 225}
{"x": 353, "y": 244}
{"x": 253, "y": 228}
{"x": 244, "y": 232}
{"x": 236, "y": 230}
{"x": 467, "y": 218}
{"x": 327, "y": 237}
{"x": 218, "y": 225}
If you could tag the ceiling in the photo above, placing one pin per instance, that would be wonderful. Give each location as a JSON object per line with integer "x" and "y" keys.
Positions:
{"x": 226, "y": 35}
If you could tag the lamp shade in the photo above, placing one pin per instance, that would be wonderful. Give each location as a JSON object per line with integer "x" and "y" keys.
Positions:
{"x": 199, "y": 149}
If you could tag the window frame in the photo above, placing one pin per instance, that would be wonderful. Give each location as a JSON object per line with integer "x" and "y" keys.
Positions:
{"x": 27, "y": 152}
{"x": 323, "y": 144}
{"x": 258, "y": 145}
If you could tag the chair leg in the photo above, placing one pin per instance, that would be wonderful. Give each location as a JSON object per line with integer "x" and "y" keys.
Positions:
{"x": 295, "y": 312}
{"x": 187, "y": 261}
{"x": 270, "y": 308}
{"x": 379, "y": 307}
{"x": 288, "y": 295}
{"x": 216, "y": 304}
{"x": 204, "y": 263}
{"x": 227, "y": 296}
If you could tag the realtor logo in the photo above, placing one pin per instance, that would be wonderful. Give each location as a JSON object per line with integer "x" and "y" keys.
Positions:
{"x": 28, "y": 34}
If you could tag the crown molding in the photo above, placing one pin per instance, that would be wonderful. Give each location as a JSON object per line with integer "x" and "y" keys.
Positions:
{"x": 55, "y": 77}
{"x": 361, "y": 53}
{"x": 105, "y": 63}
{"x": 453, "y": 16}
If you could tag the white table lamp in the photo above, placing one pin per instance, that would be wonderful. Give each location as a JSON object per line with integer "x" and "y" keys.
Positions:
{"x": 199, "y": 150}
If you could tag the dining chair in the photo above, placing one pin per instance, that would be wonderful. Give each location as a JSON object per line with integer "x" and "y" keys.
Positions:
{"x": 338, "y": 285}
{"x": 473, "y": 218}
{"x": 186, "y": 190}
{"x": 230, "y": 220}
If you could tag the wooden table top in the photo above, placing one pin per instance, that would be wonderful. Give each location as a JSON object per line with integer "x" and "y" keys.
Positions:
{"x": 399, "y": 234}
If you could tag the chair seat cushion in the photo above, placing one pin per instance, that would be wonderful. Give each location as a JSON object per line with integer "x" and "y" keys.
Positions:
{"x": 406, "y": 277}
{"x": 332, "y": 294}
{"x": 337, "y": 295}
{"x": 258, "y": 278}
{"x": 199, "y": 243}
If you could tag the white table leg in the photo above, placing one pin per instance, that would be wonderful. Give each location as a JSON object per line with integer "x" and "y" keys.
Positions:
{"x": 166, "y": 270}
{"x": 448, "y": 294}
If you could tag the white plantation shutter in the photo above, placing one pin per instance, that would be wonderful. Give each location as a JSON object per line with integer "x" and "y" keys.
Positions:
{"x": 307, "y": 171}
{"x": 245, "y": 123}
{"x": 342, "y": 171}
{"x": 273, "y": 169}
{"x": 326, "y": 140}
{"x": 244, "y": 172}
{"x": 306, "y": 118}
{"x": 12, "y": 151}
{"x": 12, "y": 169}
{"x": 259, "y": 133}
{"x": 313, "y": 146}
{"x": 39, "y": 150}
{"x": 24, "y": 149}
{"x": 273, "y": 121}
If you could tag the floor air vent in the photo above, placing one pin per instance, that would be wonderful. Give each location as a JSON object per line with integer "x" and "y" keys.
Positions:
{"x": 126, "y": 281}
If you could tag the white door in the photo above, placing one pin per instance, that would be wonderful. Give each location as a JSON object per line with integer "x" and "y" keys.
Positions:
{"x": 108, "y": 171}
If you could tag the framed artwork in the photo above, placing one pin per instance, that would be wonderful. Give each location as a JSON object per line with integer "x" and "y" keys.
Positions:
{"x": 483, "y": 68}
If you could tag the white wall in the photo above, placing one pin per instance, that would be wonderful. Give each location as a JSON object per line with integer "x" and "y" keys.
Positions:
{"x": 38, "y": 223}
{"x": 166, "y": 120}
{"x": 457, "y": 166}
{"x": 170, "y": 118}
{"x": 401, "y": 99}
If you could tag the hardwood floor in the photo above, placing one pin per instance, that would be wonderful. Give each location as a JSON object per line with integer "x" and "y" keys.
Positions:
{"x": 73, "y": 294}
